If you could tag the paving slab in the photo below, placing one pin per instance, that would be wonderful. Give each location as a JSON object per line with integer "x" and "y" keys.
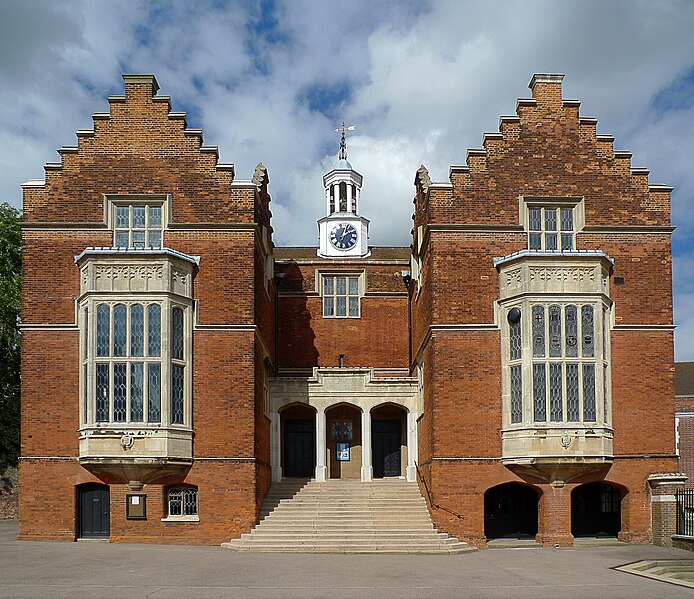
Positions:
{"x": 30, "y": 569}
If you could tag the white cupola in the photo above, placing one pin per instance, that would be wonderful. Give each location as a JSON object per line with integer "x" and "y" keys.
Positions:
{"x": 342, "y": 232}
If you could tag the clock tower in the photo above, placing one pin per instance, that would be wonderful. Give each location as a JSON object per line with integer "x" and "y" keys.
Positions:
{"x": 343, "y": 233}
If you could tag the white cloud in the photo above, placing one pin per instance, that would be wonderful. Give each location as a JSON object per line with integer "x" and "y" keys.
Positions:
{"x": 423, "y": 82}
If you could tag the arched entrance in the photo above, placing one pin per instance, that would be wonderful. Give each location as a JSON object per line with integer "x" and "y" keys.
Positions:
{"x": 510, "y": 511}
{"x": 596, "y": 510}
{"x": 388, "y": 440}
{"x": 93, "y": 511}
{"x": 298, "y": 424}
{"x": 344, "y": 442}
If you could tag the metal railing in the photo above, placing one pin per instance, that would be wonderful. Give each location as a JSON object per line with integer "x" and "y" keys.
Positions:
{"x": 685, "y": 512}
{"x": 430, "y": 499}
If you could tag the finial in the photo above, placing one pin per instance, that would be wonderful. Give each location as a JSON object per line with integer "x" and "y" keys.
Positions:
{"x": 343, "y": 141}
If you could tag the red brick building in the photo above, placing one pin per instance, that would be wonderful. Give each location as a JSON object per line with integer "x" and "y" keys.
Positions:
{"x": 176, "y": 363}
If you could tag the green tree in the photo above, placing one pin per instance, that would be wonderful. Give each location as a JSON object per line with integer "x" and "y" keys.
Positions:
{"x": 10, "y": 310}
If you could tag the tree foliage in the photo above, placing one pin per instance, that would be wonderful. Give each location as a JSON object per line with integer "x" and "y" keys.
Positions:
{"x": 10, "y": 310}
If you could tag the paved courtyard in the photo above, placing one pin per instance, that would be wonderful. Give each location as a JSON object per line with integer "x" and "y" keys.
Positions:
{"x": 95, "y": 569}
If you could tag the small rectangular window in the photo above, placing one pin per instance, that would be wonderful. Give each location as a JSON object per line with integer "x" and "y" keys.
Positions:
{"x": 551, "y": 228}
{"x": 341, "y": 296}
{"x": 138, "y": 226}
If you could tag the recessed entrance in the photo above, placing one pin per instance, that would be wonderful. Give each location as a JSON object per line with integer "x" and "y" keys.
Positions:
{"x": 344, "y": 441}
{"x": 510, "y": 511}
{"x": 299, "y": 442}
{"x": 94, "y": 511}
{"x": 596, "y": 510}
{"x": 387, "y": 441}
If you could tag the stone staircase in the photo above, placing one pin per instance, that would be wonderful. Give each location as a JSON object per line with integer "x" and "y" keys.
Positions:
{"x": 346, "y": 516}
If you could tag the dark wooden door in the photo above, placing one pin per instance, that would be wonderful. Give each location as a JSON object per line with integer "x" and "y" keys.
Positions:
{"x": 299, "y": 448}
{"x": 386, "y": 435}
{"x": 94, "y": 512}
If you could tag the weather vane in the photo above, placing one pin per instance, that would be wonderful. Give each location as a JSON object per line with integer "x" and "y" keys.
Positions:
{"x": 343, "y": 142}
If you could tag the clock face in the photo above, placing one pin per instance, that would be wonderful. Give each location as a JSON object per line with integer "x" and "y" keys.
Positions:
{"x": 343, "y": 236}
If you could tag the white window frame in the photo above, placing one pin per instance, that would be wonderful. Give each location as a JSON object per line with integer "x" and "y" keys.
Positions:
{"x": 360, "y": 276}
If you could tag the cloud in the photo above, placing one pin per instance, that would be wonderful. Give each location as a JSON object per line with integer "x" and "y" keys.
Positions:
{"x": 423, "y": 81}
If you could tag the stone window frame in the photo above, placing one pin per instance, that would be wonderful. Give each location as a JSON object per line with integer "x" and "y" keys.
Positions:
{"x": 113, "y": 202}
{"x": 360, "y": 275}
{"x": 577, "y": 206}
{"x": 601, "y": 359}
{"x": 185, "y": 491}
{"x": 89, "y": 360}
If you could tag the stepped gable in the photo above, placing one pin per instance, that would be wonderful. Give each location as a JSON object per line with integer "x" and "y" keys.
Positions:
{"x": 140, "y": 146}
{"x": 565, "y": 156}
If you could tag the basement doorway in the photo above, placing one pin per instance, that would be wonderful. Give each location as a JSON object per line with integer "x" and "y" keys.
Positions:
{"x": 596, "y": 510}
{"x": 94, "y": 511}
{"x": 510, "y": 512}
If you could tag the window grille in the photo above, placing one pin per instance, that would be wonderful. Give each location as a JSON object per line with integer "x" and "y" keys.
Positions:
{"x": 183, "y": 501}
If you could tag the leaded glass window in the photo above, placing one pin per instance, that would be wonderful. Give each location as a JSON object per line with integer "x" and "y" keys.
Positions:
{"x": 538, "y": 331}
{"x": 589, "y": 412}
{"x": 138, "y": 226}
{"x": 556, "y": 408}
{"x": 154, "y": 330}
{"x": 137, "y": 330}
{"x": 177, "y": 334}
{"x": 572, "y": 397}
{"x": 569, "y": 375}
{"x": 539, "y": 393}
{"x": 550, "y": 228}
{"x": 341, "y": 296}
{"x": 154, "y": 392}
{"x": 587, "y": 331}
{"x": 515, "y": 340}
{"x": 554, "y": 331}
{"x": 516, "y": 394}
{"x": 128, "y": 375}
{"x": 177, "y": 382}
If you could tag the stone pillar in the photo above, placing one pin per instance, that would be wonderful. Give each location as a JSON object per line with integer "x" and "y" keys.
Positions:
{"x": 412, "y": 450}
{"x": 321, "y": 448}
{"x": 664, "y": 505}
{"x": 554, "y": 517}
{"x": 367, "y": 471}
{"x": 349, "y": 197}
{"x": 275, "y": 451}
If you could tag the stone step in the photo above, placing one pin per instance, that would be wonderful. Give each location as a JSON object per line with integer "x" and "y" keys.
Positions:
{"x": 346, "y": 517}
{"x": 347, "y": 534}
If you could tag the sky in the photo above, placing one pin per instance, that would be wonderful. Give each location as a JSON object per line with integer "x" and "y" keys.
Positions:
{"x": 422, "y": 81}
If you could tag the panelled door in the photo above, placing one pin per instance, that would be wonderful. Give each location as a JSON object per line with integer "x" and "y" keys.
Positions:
{"x": 94, "y": 511}
{"x": 299, "y": 448}
{"x": 386, "y": 439}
